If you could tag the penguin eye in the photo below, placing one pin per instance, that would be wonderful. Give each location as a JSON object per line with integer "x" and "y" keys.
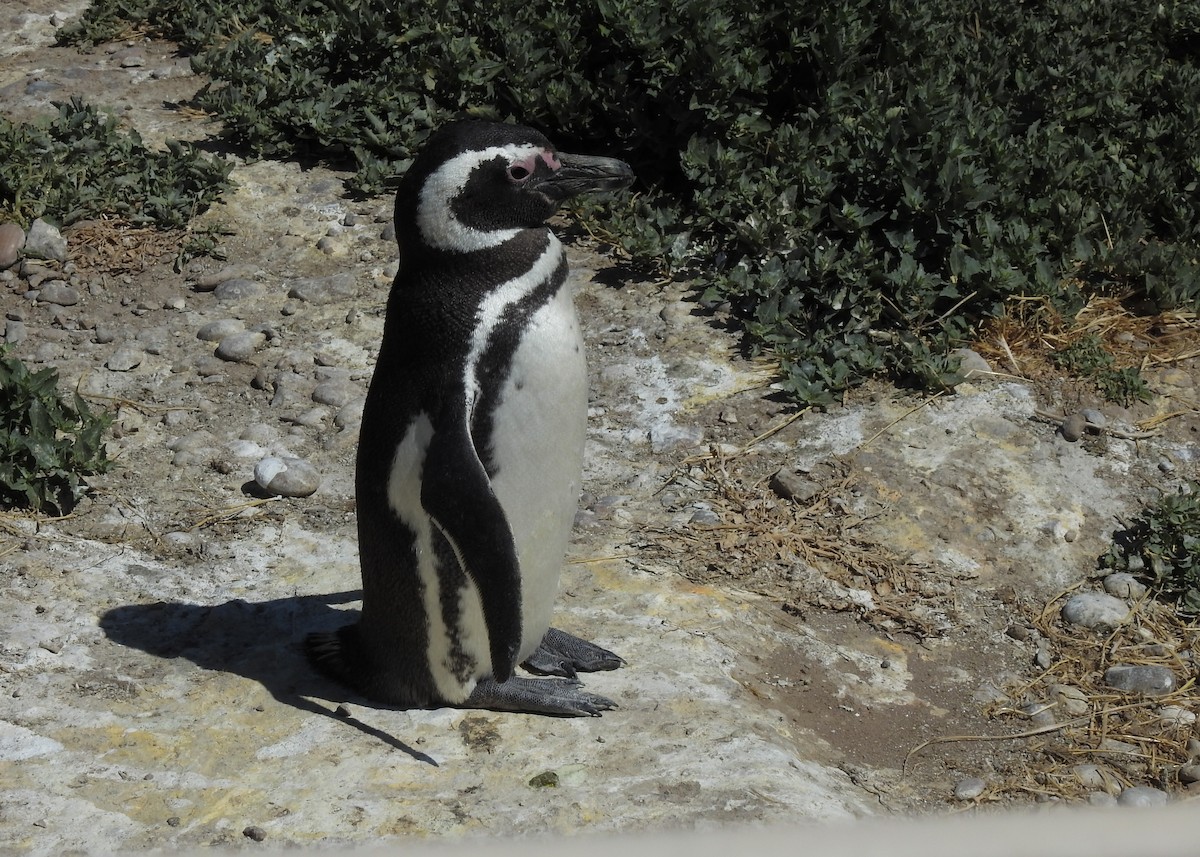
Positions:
{"x": 518, "y": 173}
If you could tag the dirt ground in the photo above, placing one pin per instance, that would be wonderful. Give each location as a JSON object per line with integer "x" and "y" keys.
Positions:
{"x": 900, "y": 596}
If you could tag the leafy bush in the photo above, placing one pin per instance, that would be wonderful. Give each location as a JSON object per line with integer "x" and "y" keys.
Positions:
{"x": 46, "y": 445}
{"x": 1163, "y": 546}
{"x": 1088, "y": 357}
{"x": 78, "y": 164}
{"x": 862, "y": 181}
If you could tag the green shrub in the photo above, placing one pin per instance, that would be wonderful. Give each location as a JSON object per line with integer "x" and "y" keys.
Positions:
{"x": 78, "y": 163}
{"x": 862, "y": 180}
{"x": 1088, "y": 357}
{"x": 46, "y": 445}
{"x": 1163, "y": 547}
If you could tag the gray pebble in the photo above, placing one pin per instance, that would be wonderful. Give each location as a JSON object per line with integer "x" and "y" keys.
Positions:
{"x": 971, "y": 363}
{"x": 240, "y": 347}
{"x": 1101, "y": 799}
{"x": 59, "y": 293}
{"x": 1095, "y": 610}
{"x": 255, "y": 833}
{"x": 125, "y": 358}
{"x": 217, "y": 330}
{"x": 705, "y": 517}
{"x": 969, "y": 788}
{"x": 14, "y": 331}
{"x": 287, "y": 477}
{"x": 1166, "y": 465}
{"x": 792, "y": 485}
{"x": 194, "y": 441}
{"x": 209, "y": 366}
{"x": 1094, "y": 417}
{"x": 12, "y": 239}
{"x": 208, "y": 282}
{"x": 238, "y": 289}
{"x": 1142, "y": 796}
{"x": 350, "y": 416}
{"x": 1073, "y": 427}
{"x": 1189, "y": 774}
{"x": 336, "y": 393}
{"x": 388, "y": 233}
{"x": 311, "y": 417}
{"x": 1123, "y": 585}
{"x": 103, "y": 334}
{"x": 1140, "y": 678}
{"x": 322, "y": 290}
{"x": 1070, "y": 699}
{"x": 44, "y": 241}
{"x": 1090, "y": 776}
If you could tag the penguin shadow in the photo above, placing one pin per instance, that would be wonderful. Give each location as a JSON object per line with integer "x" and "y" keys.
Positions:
{"x": 261, "y": 641}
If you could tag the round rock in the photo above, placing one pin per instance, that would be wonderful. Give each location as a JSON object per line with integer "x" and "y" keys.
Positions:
{"x": 125, "y": 358}
{"x": 12, "y": 239}
{"x": 44, "y": 241}
{"x": 1142, "y": 796}
{"x": 1073, "y": 427}
{"x": 335, "y": 393}
{"x": 1123, "y": 585}
{"x": 240, "y": 347}
{"x": 1149, "y": 679}
{"x": 238, "y": 289}
{"x": 287, "y": 477}
{"x": 969, "y": 788}
{"x": 217, "y": 330}
{"x": 1095, "y": 610}
{"x": 59, "y": 293}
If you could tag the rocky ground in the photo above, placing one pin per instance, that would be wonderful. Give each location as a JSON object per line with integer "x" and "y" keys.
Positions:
{"x": 825, "y": 614}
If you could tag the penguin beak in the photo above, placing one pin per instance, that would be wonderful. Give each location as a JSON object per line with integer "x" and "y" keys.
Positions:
{"x": 585, "y": 174}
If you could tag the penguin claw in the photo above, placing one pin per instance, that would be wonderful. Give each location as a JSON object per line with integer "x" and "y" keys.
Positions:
{"x": 561, "y": 697}
{"x": 564, "y": 654}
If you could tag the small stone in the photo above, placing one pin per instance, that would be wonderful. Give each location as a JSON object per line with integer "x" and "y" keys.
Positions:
{"x": 12, "y": 239}
{"x": 1101, "y": 799}
{"x": 705, "y": 517}
{"x": 1095, "y": 610}
{"x": 1123, "y": 585}
{"x": 238, "y": 289}
{"x": 1020, "y": 632}
{"x": 971, "y": 363}
{"x": 44, "y": 241}
{"x": 208, "y": 282}
{"x": 287, "y": 477}
{"x": 179, "y": 303}
{"x": 1176, "y": 715}
{"x": 14, "y": 331}
{"x": 174, "y": 821}
{"x": 322, "y": 290}
{"x": 350, "y": 416}
{"x": 133, "y": 60}
{"x": 1073, "y": 427}
{"x": 1142, "y": 796}
{"x": 125, "y": 358}
{"x": 59, "y": 293}
{"x": 1090, "y": 776}
{"x": 663, "y": 438}
{"x": 217, "y": 330}
{"x": 1094, "y": 418}
{"x": 336, "y": 393}
{"x": 1193, "y": 748}
{"x": 255, "y": 833}
{"x": 544, "y": 780}
{"x": 240, "y": 347}
{"x": 1166, "y": 465}
{"x": 103, "y": 334}
{"x": 792, "y": 485}
{"x": 1189, "y": 774}
{"x": 969, "y": 788}
{"x": 1070, "y": 699}
{"x": 328, "y": 245}
{"x": 1140, "y": 678}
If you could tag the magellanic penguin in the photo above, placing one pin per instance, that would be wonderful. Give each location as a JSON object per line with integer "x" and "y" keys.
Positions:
{"x": 471, "y": 447}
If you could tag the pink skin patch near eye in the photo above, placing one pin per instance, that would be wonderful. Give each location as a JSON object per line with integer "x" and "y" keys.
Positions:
{"x": 551, "y": 160}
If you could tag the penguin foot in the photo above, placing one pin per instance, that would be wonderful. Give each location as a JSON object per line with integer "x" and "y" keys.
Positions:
{"x": 563, "y": 654}
{"x": 560, "y": 697}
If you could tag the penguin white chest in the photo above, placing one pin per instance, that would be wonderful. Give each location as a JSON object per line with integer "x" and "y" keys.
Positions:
{"x": 537, "y": 450}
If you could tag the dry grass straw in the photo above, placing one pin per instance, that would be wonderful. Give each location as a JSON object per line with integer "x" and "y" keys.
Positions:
{"x": 1132, "y": 738}
{"x": 795, "y": 553}
{"x": 116, "y": 247}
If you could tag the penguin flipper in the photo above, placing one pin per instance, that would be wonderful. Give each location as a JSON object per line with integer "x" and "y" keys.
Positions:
{"x": 563, "y": 654}
{"x": 457, "y": 495}
{"x": 556, "y": 696}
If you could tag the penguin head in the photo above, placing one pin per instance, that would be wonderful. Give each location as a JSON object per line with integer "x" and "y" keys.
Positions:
{"x": 477, "y": 184}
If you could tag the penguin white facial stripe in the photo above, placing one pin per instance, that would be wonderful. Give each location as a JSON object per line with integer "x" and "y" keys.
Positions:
{"x": 491, "y": 311}
{"x": 435, "y": 215}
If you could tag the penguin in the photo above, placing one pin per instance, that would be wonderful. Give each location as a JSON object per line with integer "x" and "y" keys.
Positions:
{"x": 470, "y": 453}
